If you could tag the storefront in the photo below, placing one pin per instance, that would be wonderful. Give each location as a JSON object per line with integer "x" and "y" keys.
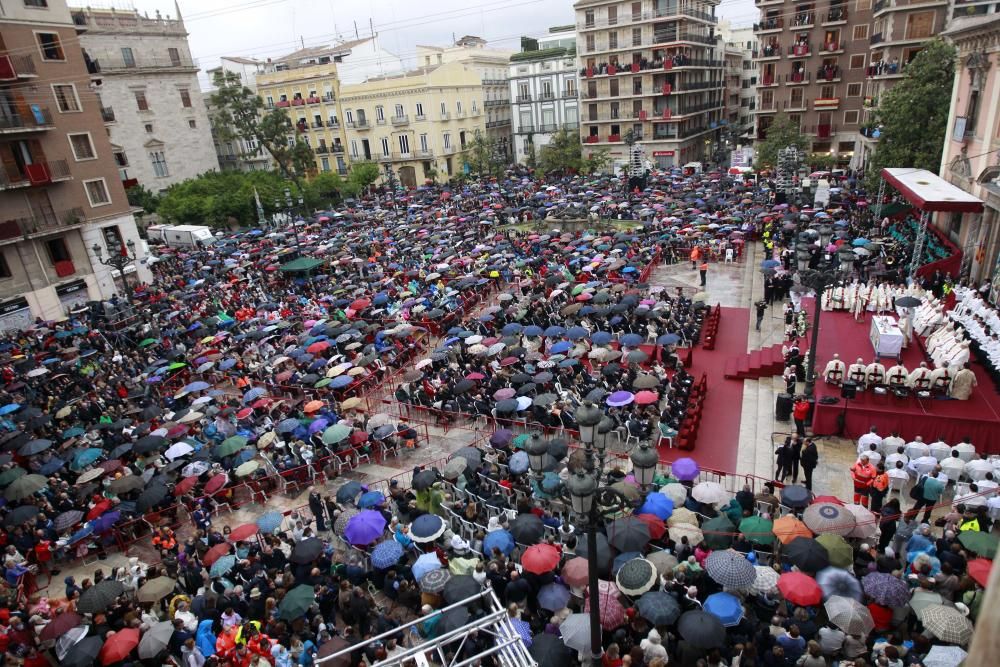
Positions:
{"x": 15, "y": 314}
{"x": 663, "y": 159}
{"x": 73, "y": 294}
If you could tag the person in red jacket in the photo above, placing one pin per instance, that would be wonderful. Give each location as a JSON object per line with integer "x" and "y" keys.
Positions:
{"x": 800, "y": 412}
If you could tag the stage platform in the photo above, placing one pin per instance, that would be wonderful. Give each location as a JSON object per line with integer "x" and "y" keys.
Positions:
{"x": 977, "y": 418}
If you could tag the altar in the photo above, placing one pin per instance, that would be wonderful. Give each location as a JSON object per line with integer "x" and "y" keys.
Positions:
{"x": 886, "y": 336}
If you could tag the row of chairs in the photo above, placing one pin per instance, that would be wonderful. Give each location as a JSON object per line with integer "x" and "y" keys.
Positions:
{"x": 710, "y": 329}
{"x": 687, "y": 435}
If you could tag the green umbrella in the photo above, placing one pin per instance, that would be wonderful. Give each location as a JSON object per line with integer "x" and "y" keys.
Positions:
{"x": 521, "y": 440}
{"x": 9, "y": 475}
{"x": 840, "y": 552}
{"x": 230, "y": 446}
{"x": 757, "y": 529}
{"x": 239, "y": 440}
{"x": 335, "y": 434}
{"x": 177, "y": 364}
{"x": 148, "y": 342}
{"x": 322, "y": 383}
{"x": 984, "y": 544}
{"x": 718, "y": 531}
{"x": 26, "y": 485}
{"x": 296, "y": 602}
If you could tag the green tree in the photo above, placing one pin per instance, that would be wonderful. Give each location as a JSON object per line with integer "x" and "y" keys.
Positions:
{"x": 362, "y": 175}
{"x": 781, "y": 133}
{"x": 323, "y": 190}
{"x": 597, "y": 162}
{"x": 223, "y": 198}
{"x": 483, "y": 156}
{"x": 912, "y": 116}
{"x": 821, "y": 161}
{"x": 143, "y": 197}
{"x": 238, "y": 113}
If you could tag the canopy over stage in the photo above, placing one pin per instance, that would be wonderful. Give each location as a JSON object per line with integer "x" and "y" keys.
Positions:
{"x": 930, "y": 192}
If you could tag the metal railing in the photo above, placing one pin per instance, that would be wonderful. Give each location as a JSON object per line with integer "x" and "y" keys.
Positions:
{"x": 114, "y": 62}
{"x": 15, "y": 227}
{"x": 400, "y": 120}
{"x": 769, "y": 24}
{"x": 108, "y": 114}
{"x": 40, "y": 118}
{"x": 521, "y": 99}
{"x": 20, "y": 64}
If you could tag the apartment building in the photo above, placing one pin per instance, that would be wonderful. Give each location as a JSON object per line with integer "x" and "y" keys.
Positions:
{"x": 742, "y": 39}
{"x": 419, "y": 122}
{"x": 971, "y": 157}
{"x": 142, "y": 70}
{"x": 544, "y": 90}
{"x": 60, "y": 192}
{"x": 240, "y": 153}
{"x": 652, "y": 68}
{"x": 492, "y": 66}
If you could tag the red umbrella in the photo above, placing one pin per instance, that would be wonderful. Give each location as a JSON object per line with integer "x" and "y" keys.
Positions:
{"x": 575, "y": 572}
{"x": 827, "y": 499}
{"x": 475, "y": 376}
{"x": 262, "y": 403}
{"x": 540, "y": 558}
{"x": 244, "y": 413}
{"x": 656, "y": 526}
{"x": 216, "y": 483}
{"x": 646, "y": 398}
{"x": 185, "y": 485}
{"x": 979, "y": 569}
{"x": 360, "y": 304}
{"x": 177, "y": 431}
{"x": 110, "y": 466}
{"x": 216, "y": 552}
{"x": 119, "y": 645}
{"x": 358, "y": 437}
{"x": 317, "y": 347}
{"x": 241, "y": 533}
{"x": 800, "y": 589}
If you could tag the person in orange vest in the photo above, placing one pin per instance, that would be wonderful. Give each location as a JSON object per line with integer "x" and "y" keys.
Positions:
{"x": 862, "y": 474}
{"x": 703, "y": 270}
{"x": 695, "y": 256}
{"x": 879, "y": 488}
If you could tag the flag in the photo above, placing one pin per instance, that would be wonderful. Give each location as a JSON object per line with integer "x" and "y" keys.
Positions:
{"x": 260, "y": 207}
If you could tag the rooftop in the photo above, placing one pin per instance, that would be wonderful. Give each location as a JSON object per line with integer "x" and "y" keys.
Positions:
{"x": 967, "y": 24}
{"x": 322, "y": 51}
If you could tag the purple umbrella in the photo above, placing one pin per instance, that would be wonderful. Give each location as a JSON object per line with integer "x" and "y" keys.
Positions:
{"x": 620, "y": 398}
{"x": 503, "y": 394}
{"x": 553, "y": 597}
{"x": 103, "y": 523}
{"x": 318, "y": 425}
{"x": 365, "y": 527}
{"x": 502, "y": 437}
{"x": 684, "y": 469}
{"x": 886, "y": 589}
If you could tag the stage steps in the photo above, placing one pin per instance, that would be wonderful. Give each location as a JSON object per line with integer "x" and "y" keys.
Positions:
{"x": 759, "y": 363}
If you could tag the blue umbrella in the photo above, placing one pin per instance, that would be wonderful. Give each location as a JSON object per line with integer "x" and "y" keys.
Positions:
{"x": 223, "y": 566}
{"x": 226, "y": 364}
{"x": 658, "y": 505}
{"x": 51, "y": 466}
{"x": 86, "y": 457}
{"x": 523, "y": 629}
{"x": 371, "y": 499}
{"x": 425, "y": 564}
{"x": 726, "y": 607}
{"x": 601, "y": 338}
{"x": 270, "y": 521}
{"x": 341, "y": 381}
{"x": 427, "y": 528}
{"x": 508, "y": 330}
{"x": 72, "y": 432}
{"x": 860, "y": 241}
{"x": 518, "y": 463}
{"x": 86, "y": 530}
{"x": 770, "y": 264}
{"x": 197, "y": 386}
{"x": 253, "y": 395}
{"x": 553, "y": 597}
{"x": 499, "y": 539}
{"x": 318, "y": 425}
{"x": 561, "y": 346}
{"x": 104, "y": 522}
{"x": 386, "y": 554}
{"x": 631, "y": 340}
{"x": 577, "y": 333}
{"x": 668, "y": 339}
{"x": 533, "y": 330}
{"x": 9, "y": 408}
{"x": 554, "y": 331}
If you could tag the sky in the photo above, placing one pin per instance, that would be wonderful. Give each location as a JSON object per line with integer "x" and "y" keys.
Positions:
{"x": 268, "y": 28}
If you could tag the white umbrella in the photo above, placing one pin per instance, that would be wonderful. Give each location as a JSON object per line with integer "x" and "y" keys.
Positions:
{"x": 178, "y": 449}
{"x": 676, "y": 492}
{"x": 944, "y": 656}
{"x": 867, "y": 524}
{"x": 766, "y": 581}
{"x": 710, "y": 493}
{"x": 849, "y": 615}
{"x": 195, "y": 468}
{"x": 575, "y": 632}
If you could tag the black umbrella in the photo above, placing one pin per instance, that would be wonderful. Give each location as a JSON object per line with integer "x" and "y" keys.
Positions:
{"x": 807, "y": 554}
{"x": 149, "y": 443}
{"x": 453, "y": 619}
{"x": 153, "y": 495}
{"x": 908, "y": 302}
{"x": 68, "y": 520}
{"x": 100, "y": 596}
{"x": 19, "y": 515}
{"x": 83, "y": 653}
{"x": 548, "y": 650}
{"x": 460, "y": 587}
{"x": 507, "y": 405}
{"x": 628, "y": 534}
{"x": 658, "y": 608}
{"x": 558, "y": 449}
{"x": 126, "y": 484}
{"x": 701, "y": 629}
{"x": 527, "y": 529}
{"x": 34, "y": 447}
{"x": 604, "y": 558}
{"x": 473, "y": 456}
{"x": 596, "y": 395}
{"x": 795, "y": 495}
{"x": 306, "y": 551}
{"x": 349, "y": 492}
{"x": 424, "y": 479}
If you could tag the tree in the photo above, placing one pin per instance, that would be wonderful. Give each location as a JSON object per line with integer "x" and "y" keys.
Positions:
{"x": 223, "y": 198}
{"x": 238, "y": 113}
{"x": 564, "y": 153}
{"x": 362, "y": 175}
{"x": 912, "y": 116}
{"x": 143, "y": 197}
{"x": 821, "y": 161}
{"x": 483, "y": 156}
{"x": 323, "y": 190}
{"x": 781, "y": 133}
{"x": 597, "y": 162}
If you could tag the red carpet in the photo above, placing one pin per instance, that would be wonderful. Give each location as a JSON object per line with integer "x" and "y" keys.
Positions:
{"x": 719, "y": 433}
{"x": 978, "y": 417}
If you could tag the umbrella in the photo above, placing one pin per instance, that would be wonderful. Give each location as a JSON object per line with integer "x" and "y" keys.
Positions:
{"x": 424, "y": 564}
{"x": 498, "y": 539}
{"x": 59, "y": 625}
{"x": 946, "y": 623}
{"x": 434, "y": 581}
{"x": 984, "y": 544}
{"x": 427, "y": 528}
{"x": 243, "y": 532}
{"x": 628, "y": 534}
{"x": 349, "y": 492}
{"x": 636, "y": 577}
{"x": 84, "y": 653}
{"x": 849, "y": 615}
{"x": 787, "y": 528}
{"x": 215, "y": 553}
{"x": 527, "y": 529}
{"x": 424, "y": 479}
{"x": 150, "y": 497}
{"x": 658, "y": 608}
{"x": 99, "y": 596}
{"x": 758, "y": 529}
{"x": 943, "y": 656}
{"x": 840, "y": 583}
{"x": 829, "y": 518}
{"x": 684, "y": 469}
{"x": 540, "y": 558}
{"x": 806, "y": 554}
{"x": 575, "y": 631}
{"x": 306, "y": 551}
{"x": 978, "y": 569}
{"x": 726, "y": 607}
{"x": 603, "y": 556}
{"x": 156, "y": 639}
{"x": 866, "y": 523}
{"x": 664, "y": 561}
{"x": 575, "y": 572}
{"x": 553, "y": 597}
{"x": 386, "y": 554}
{"x": 20, "y": 514}
{"x": 460, "y": 587}
{"x": 365, "y": 527}
{"x": 24, "y": 487}
{"x": 701, "y": 629}
{"x": 795, "y": 496}
{"x": 658, "y": 505}
{"x": 548, "y": 650}
{"x": 221, "y": 567}
{"x": 886, "y": 589}
{"x": 921, "y": 599}
{"x": 270, "y": 521}
{"x": 710, "y": 493}
{"x": 296, "y": 602}
{"x": 611, "y": 610}
{"x": 800, "y": 589}
{"x": 718, "y": 532}
{"x": 690, "y": 531}
{"x": 156, "y": 589}
{"x": 766, "y": 581}
{"x": 730, "y": 568}
{"x": 840, "y": 552}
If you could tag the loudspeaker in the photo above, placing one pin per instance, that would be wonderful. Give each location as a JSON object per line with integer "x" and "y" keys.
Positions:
{"x": 849, "y": 389}
{"x": 783, "y": 407}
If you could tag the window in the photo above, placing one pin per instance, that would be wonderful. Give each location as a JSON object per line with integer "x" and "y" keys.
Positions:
{"x": 149, "y": 128}
{"x": 58, "y": 252}
{"x": 354, "y": 148}
{"x": 447, "y": 140}
{"x": 420, "y": 109}
{"x": 66, "y": 98}
{"x": 590, "y": 43}
{"x": 458, "y": 106}
{"x": 588, "y": 18}
{"x": 380, "y": 114}
{"x": 828, "y": 92}
{"x": 636, "y": 36}
{"x": 399, "y": 111}
{"x": 854, "y": 90}
{"x": 444, "y": 108}
{"x": 185, "y": 98}
{"x": 159, "y": 164}
{"x": 861, "y": 31}
{"x": 83, "y": 147}
{"x": 613, "y": 39}
{"x": 920, "y": 26}
{"x": 50, "y": 46}
{"x": 423, "y": 142}
{"x": 325, "y": 162}
{"x": 850, "y": 117}
{"x": 140, "y": 100}
{"x": 4, "y": 268}
{"x": 349, "y": 115}
{"x": 192, "y": 124}
{"x": 404, "y": 144}
{"x": 42, "y": 4}
{"x": 97, "y": 192}
{"x": 175, "y": 56}
{"x": 270, "y": 101}
{"x": 385, "y": 146}
{"x": 612, "y": 15}
{"x": 121, "y": 159}
{"x": 128, "y": 57}
{"x": 636, "y": 11}
{"x": 858, "y": 61}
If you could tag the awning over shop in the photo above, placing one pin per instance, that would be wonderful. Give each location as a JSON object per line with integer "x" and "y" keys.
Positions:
{"x": 301, "y": 265}
{"x": 930, "y": 192}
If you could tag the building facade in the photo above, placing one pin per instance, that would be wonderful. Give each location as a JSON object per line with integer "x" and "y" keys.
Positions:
{"x": 492, "y": 67}
{"x": 544, "y": 90}
{"x": 142, "y": 70}
{"x": 60, "y": 192}
{"x": 971, "y": 157}
{"x": 420, "y": 123}
{"x": 743, "y": 39}
{"x": 652, "y": 68}
{"x": 241, "y": 153}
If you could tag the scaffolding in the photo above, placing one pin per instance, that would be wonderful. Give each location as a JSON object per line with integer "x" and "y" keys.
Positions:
{"x": 918, "y": 244}
{"x": 446, "y": 650}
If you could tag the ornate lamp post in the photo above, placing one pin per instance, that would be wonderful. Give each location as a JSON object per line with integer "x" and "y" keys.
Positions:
{"x": 537, "y": 448}
{"x": 644, "y": 460}
{"x": 290, "y": 210}
{"x": 819, "y": 279}
{"x": 390, "y": 181}
{"x": 118, "y": 261}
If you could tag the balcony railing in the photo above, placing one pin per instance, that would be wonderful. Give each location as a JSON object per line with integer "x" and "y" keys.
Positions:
{"x": 14, "y": 66}
{"x": 298, "y": 102}
{"x": 108, "y": 114}
{"x": 798, "y": 77}
{"x": 799, "y": 50}
{"x": 424, "y": 153}
{"x": 316, "y": 124}
{"x": 803, "y": 20}
{"x": 570, "y": 94}
{"x": 830, "y": 47}
{"x": 321, "y": 150}
{"x": 362, "y": 124}
{"x": 445, "y": 115}
{"x": 547, "y": 127}
{"x": 19, "y": 227}
{"x": 880, "y": 5}
{"x": 282, "y": 104}
{"x": 314, "y": 100}
{"x": 828, "y": 73}
{"x": 521, "y": 99}
{"x": 526, "y": 129}
{"x": 328, "y": 97}
{"x": 769, "y": 51}
{"x": 547, "y": 95}
{"x": 876, "y": 38}
{"x": 35, "y": 174}
{"x": 495, "y": 103}
{"x": 769, "y": 24}
{"x": 836, "y": 15}
{"x": 337, "y": 149}
{"x": 400, "y": 120}
{"x": 637, "y": 17}
{"x": 38, "y": 119}
{"x": 821, "y": 131}
{"x": 114, "y": 62}
{"x": 420, "y": 117}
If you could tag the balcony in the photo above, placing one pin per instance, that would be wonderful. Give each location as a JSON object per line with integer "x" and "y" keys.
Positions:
{"x": 798, "y": 78}
{"x": 799, "y": 51}
{"x": 448, "y": 150}
{"x": 547, "y": 127}
{"x": 282, "y": 104}
{"x": 495, "y": 103}
{"x": 328, "y": 98}
{"x": 769, "y": 52}
{"x": 12, "y": 228}
{"x": 321, "y": 150}
{"x": 107, "y": 114}
{"x": 460, "y": 113}
{"x": 316, "y": 125}
{"x": 836, "y": 16}
{"x": 445, "y": 115}
{"x": 877, "y": 38}
{"x": 298, "y": 102}
{"x": 547, "y": 95}
{"x": 522, "y": 99}
{"x": 769, "y": 25}
{"x": 592, "y": 139}
{"x": 826, "y": 103}
{"x": 571, "y": 126}
{"x": 419, "y": 117}
{"x": 39, "y": 120}
{"x": 337, "y": 149}
{"x": 313, "y": 100}
{"x": 880, "y": 5}
{"x": 424, "y": 154}
{"x": 803, "y": 21}
{"x": 821, "y": 131}
{"x": 35, "y": 175}
{"x": 498, "y": 123}
{"x": 767, "y": 80}
{"x": 831, "y": 48}
{"x": 526, "y": 129}
{"x": 17, "y": 66}
{"x": 614, "y": 138}
{"x": 828, "y": 73}
{"x": 114, "y": 62}
{"x": 401, "y": 120}
{"x": 362, "y": 124}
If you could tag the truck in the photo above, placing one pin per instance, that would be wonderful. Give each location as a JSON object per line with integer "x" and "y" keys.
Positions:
{"x": 180, "y": 236}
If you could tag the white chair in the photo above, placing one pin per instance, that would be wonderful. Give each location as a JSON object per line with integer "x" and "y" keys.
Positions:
{"x": 729, "y": 255}
{"x": 764, "y": 507}
{"x": 897, "y": 484}
{"x": 666, "y": 433}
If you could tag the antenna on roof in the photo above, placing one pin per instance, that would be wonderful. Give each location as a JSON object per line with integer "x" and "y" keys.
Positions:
{"x": 302, "y": 41}
{"x": 356, "y": 35}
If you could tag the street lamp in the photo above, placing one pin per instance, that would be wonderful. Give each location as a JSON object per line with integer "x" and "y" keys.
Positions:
{"x": 390, "y": 179}
{"x": 536, "y": 448}
{"x": 290, "y": 210}
{"x": 119, "y": 261}
{"x": 644, "y": 460}
{"x": 818, "y": 280}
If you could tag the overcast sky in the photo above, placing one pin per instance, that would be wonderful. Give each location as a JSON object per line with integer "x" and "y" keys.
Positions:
{"x": 263, "y": 28}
